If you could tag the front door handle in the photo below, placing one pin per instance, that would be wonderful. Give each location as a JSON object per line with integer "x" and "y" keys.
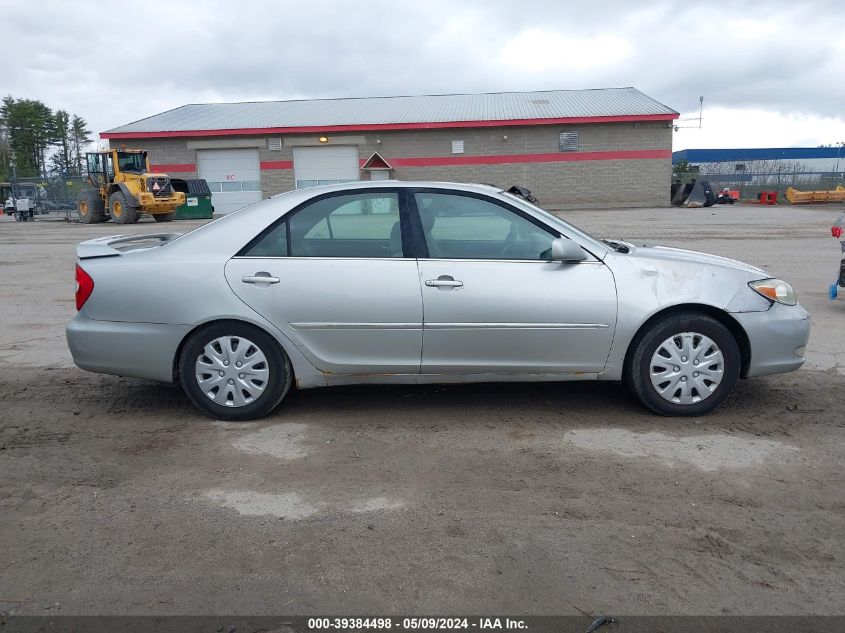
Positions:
{"x": 260, "y": 279}
{"x": 444, "y": 281}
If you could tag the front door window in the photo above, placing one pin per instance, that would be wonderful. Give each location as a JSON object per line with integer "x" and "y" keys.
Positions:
{"x": 465, "y": 227}
{"x": 493, "y": 300}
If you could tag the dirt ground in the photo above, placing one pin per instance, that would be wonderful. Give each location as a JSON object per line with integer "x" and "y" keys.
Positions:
{"x": 117, "y": 497}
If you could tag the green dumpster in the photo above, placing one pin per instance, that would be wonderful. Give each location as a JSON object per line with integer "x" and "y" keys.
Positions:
{"x": 197, "y": 199}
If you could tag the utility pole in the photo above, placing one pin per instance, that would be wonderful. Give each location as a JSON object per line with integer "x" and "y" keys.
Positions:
{"x": 838, "y": 153}
{"x": 700, "y": 111}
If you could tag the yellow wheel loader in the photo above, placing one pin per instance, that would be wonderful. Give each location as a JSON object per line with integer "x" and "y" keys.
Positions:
{"x": 124, "y": 189}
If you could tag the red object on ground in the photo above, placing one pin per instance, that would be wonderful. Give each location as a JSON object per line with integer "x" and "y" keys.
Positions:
{"x": 767, "y": 197}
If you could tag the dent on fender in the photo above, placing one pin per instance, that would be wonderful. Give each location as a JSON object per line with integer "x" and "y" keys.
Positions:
{"x": 746, "y": 300}
{"x": 673, "y": 284}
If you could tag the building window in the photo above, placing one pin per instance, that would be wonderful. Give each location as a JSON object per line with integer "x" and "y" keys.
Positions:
{"x": 457, "y": 147}
{"x": 569, "y": 141}
{"x": 231, "y": 186}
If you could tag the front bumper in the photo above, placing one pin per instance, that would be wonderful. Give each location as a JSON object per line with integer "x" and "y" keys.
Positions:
{"x": 164, "y": 203}
{"x": 142, "y": 350}
{"x": 778, "y": 338}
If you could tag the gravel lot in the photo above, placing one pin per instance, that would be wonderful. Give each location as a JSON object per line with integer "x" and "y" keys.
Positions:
{"x": 117, "y": 497}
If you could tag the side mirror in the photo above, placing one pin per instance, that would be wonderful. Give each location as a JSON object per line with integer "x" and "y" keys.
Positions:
{"x": 564, "y": 250}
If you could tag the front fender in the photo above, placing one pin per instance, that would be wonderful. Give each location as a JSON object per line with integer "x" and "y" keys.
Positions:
{"x": 646, "y": 287}
{"x": 131, "y": 198}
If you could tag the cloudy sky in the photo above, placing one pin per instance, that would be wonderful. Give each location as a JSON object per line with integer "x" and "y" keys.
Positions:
{"x": 772, "y": 73}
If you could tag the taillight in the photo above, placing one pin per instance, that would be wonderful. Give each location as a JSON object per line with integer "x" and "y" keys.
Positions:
{"x": 84, "y": 287}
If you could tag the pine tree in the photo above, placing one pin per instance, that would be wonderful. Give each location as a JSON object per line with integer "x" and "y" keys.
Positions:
{"x": 80, "y": 136}
{"x": 62, "y": 158}
{"x": 30, "y": 130}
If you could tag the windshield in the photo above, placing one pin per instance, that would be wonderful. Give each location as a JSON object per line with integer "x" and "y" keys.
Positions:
{"x": 572, "y": 229}
{"x": 134, "y": 161}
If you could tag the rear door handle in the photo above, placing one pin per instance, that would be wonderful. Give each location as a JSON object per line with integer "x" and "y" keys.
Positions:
{"x": 260, "y": 278}
{"x": 444, "y": 281}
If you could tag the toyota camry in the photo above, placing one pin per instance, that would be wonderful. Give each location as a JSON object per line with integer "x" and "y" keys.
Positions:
{"x": 420, "y": 282}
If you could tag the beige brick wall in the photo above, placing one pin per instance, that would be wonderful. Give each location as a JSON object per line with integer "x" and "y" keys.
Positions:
{"x": 275, "y": 181}
{"x": 558, "y": 185}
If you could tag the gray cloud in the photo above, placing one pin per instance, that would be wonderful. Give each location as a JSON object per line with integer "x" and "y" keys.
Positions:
{"x": 779, "y": 56}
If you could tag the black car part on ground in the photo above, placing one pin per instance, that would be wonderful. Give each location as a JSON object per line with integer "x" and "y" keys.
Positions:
{"x": 693, "y": 194}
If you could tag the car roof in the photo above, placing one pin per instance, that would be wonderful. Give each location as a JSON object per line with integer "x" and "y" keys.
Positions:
{"x": 377, "y": 184}
{"x": 243, "y": 225}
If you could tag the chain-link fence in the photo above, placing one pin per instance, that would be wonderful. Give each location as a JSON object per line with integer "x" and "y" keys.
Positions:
{"x": 751, "y": 184}
{"x": 36, "y": 197}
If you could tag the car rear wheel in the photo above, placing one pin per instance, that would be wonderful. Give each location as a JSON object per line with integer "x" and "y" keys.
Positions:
{"x": 120, "y": 211}
{"x": 234, "y": 371}
{"x": 685, "y": 365}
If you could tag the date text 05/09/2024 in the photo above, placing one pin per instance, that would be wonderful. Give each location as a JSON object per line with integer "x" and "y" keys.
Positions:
{"x": 415, "y": 623}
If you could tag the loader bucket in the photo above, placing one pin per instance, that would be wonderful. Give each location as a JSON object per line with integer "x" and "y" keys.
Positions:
{"x": 674, "y": 189}
{"x": 697, "y": 196}
{"x": 814, "y": 197}
{"x": 681, "y": 194}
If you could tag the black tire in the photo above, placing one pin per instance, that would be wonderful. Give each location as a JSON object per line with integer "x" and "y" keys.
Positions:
{"x": 644, "y": 347}
{"x": 279, "y": 378}
{"x": 90, "y": 207}
{"x": 120, "y": 211}
{"x": 164, "y": 217}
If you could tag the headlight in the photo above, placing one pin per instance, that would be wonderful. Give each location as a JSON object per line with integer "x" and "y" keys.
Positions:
{"x": 775, "y": 290}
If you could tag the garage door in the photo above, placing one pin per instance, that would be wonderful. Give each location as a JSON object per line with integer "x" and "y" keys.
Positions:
{"x": 233, "y": 176}
{"x": 325, "y": 165}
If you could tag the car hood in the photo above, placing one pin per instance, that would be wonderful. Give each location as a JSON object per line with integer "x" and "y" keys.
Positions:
{"x": 668, "y": 253}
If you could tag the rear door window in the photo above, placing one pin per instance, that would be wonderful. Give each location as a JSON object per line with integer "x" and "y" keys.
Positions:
{"x": 350, "y": 225}
{"x": 363, "y": 224}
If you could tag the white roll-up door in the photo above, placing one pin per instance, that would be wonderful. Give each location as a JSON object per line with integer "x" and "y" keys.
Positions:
{"x": 233, "y": 175}
{"x": 325, "y": 165}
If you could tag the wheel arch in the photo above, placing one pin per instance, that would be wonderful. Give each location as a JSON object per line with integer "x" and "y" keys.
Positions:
{"x": 733, "y": 326}
{"x": 205, "y": 324}
{"x": 131, "y": 200}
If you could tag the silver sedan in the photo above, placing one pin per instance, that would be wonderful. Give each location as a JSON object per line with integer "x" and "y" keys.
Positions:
{"x": 419, "y": 282}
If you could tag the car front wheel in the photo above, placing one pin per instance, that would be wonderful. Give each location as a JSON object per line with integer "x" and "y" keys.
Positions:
{"x": 685, "y": 365}
{"x": 234, "y": 371}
